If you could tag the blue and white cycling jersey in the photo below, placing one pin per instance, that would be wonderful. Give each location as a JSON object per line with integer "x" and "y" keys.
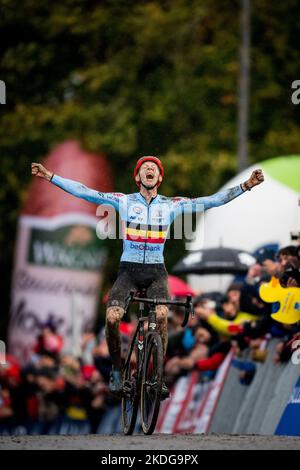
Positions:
{"x": 145, "y": 226}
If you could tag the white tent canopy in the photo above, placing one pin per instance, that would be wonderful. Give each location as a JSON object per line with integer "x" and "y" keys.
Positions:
{"x": 264, "y": 216}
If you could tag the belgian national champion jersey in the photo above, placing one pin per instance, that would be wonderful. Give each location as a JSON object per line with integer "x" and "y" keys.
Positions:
{"x": 145, "y": 226}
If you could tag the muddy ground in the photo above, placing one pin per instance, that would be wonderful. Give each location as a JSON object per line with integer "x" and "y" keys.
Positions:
{"x": 155, "y": 442}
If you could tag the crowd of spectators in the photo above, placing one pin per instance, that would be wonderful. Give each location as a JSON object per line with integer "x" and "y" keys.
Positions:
{"x": 57, "y": 393}
{"x": 239, "y": 319}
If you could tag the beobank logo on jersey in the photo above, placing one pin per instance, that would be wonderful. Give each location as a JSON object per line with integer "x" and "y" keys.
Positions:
{"x": 141, "y": 247}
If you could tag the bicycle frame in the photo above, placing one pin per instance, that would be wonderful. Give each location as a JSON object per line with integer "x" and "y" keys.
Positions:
{"x": 139, "y": 335}
{"x": 138, "y": 386}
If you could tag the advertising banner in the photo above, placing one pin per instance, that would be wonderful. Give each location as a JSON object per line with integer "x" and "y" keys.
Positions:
{"x": 59, "y": 259}
{"x": 289, "y": 424}
{"x": 193, "y": 402}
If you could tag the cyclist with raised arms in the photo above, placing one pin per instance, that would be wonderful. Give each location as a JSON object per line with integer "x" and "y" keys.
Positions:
{"x": 146, "y": 217}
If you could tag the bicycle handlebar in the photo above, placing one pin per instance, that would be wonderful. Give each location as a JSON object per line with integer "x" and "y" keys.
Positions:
{"x": 188, "y": 305}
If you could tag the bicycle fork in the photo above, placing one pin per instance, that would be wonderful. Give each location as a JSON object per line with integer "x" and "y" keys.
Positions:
{"x": 141, "y": 344}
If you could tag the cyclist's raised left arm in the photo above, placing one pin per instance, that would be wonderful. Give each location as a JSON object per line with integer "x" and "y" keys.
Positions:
{"x": 223, "y": 197}
{"x": 220, "y": 198}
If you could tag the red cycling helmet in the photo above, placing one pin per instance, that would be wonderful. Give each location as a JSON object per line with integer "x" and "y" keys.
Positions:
{"x": 148, "y": 159}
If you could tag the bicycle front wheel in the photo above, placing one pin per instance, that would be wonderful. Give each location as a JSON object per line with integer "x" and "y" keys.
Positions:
{"x": 152, "y": 382}
{"x": 131, "y": 393}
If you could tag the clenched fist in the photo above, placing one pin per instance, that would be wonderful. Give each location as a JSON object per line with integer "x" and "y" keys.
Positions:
{"x": 256, "y": 178}
{"x": 39, "y": 170}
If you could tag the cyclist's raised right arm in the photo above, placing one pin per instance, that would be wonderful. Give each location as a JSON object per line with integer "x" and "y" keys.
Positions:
{"x": 77, "y": 189}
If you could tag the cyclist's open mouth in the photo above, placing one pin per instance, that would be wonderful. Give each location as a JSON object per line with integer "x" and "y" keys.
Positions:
{"x": 150, "y": 177}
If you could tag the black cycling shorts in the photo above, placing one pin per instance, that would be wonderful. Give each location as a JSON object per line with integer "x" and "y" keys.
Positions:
{"x": 137, "y": 276}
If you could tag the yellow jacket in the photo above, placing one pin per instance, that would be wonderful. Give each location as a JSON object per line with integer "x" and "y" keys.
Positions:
{"x": 221, "y": 325}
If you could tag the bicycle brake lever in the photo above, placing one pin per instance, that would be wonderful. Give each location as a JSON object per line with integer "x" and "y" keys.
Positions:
{"x": 192, "y": 309}
{"x": 188, "y": 309}
{"x": 190, "y": 306}
{"x": 129, "y": 299}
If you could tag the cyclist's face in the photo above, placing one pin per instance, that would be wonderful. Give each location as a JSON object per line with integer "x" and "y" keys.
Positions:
{"x": 149, "y": 175}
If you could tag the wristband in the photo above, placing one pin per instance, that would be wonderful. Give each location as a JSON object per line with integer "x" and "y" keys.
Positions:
{"x": 246, "y": 186}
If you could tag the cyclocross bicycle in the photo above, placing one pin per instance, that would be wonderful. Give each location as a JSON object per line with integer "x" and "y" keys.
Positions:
{"x": 143, "y": 370}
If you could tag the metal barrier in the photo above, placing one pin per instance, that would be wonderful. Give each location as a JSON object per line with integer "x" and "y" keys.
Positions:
{"x": 255, "y": 408}
{"x": 281, "y": 395}
{"x": 229, "y": 404}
